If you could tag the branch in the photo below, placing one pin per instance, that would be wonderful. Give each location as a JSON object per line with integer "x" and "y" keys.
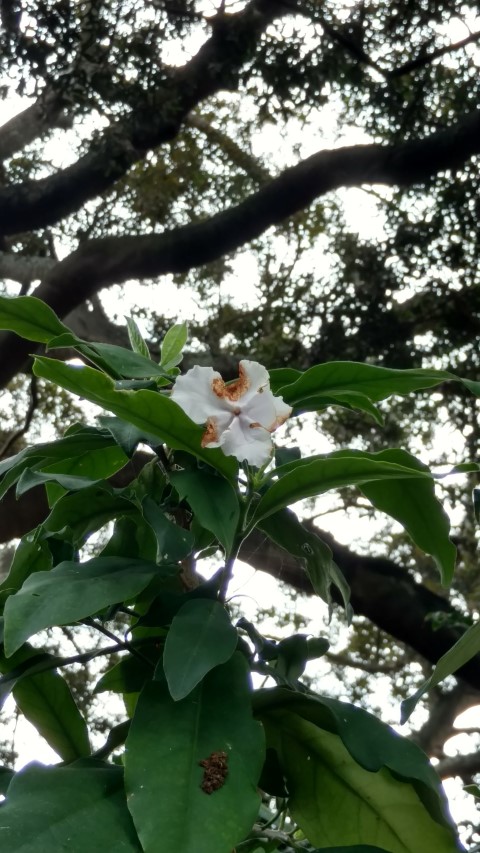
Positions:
{"x": 32, "y": 406}
{"x": 32, "y": 123}
{"x": 444, "y": 708}
{"x": 112, "y": 260}
{"x": 250, "y": 164}
{"x": 345, "y": 660}
{"x": 156, "y": 120}
{"x": 464, "y": 766}
{"x": 24, "y": 268}
{"x": 427, "y": 58}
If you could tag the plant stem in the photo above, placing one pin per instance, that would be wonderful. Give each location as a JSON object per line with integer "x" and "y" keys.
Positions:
{"x": 84, "y": 657}
{"x": 123, "y": 643}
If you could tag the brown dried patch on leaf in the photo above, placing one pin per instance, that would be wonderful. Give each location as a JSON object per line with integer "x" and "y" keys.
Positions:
{"x": 215, "y": 771}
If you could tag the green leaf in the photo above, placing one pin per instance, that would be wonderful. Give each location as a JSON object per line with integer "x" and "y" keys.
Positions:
{"x": 286, "y": 530}
{"x": 77, "y": 808}
{"x": 332, "y": 752}
{"x": 25, "y": 663}
{"x": 131, "y": 537}
{"x": 46, "y": 702}
{"x": 414, "y": 505}
{"x": 70, "y": 592}
{"x": 116, "y": 737}
{"x": 472, "y": 386}
{"x": 123, "y": 362}
{"x": 128, "y": 675}
{"x": 174, "y": 543}
{"x": 22, "y": 462}
{"x": 137, "y": 341}
{"x": 150, "y": 411}
{"x": 357, "y": 848}
{"x": 201, "y": 637}
{"x": 6, "y": 776}
{"x": 163, "y": 775}
{"x": 127, "y": 435}
{"x": 94, "y": 450}
{"x": 30, "y": 318}
{"x": 283, "y": 455}
{"x": 213, "y": 501}
{"x": 32, "y": 555}
{"x": 94, "y": 465}
{"x": 318, "y": 474}
{"x": 292, "y": 656}
{"x": 29, "y": 479}
{"x": 281, "y": 376}
{"x": 375, "y": 383}
{"x": 474, "y": 790}
{"x": 84, "y": 512}
{"x": 476, "y": 504}
{"x": 464, "y": 650}
{"x": 44, "y": 698}
{"x": 172, "y": 346}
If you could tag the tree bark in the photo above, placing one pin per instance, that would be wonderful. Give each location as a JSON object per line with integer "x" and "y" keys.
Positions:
{"x": 113, "y": 260}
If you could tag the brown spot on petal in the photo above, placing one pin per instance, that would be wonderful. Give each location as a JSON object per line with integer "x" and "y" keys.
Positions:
{"x": 218, "y": 387}
{"x": 235, "y": 390}
{"x": 255, "y": 425}
{"x": 211, "y": 432}
{"x": 279, "y": 421}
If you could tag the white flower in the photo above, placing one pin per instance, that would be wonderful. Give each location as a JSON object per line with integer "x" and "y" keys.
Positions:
{"x": 238, "y": 417}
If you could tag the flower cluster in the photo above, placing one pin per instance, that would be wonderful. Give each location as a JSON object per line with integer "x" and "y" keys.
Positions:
{"x": 239, "y": 416}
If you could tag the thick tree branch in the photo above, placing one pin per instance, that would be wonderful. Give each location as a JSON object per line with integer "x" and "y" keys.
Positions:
{"x": 32, "y": 123}
{"x": 157, "y": 119}
{"x": 444, "y": 708}
{"x": 464, "y": 766}
{"x": 105, "y": 261}
{"x": 24, "y": 268}
{"x": 428, "y": 57}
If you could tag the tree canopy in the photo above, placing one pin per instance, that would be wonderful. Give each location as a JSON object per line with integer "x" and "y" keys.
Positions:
{"x": 201, "y": 149}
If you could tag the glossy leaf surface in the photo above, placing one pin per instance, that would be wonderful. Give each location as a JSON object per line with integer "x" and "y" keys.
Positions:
{"x": 76, "y": 808}
{"x": 213, "y": 501}
{"x": 201, "y": 637}
{"x": 70, "y": 592}
{"x": 215, "y": 718}
{"x": 464, "y": 650}
{"x": 30, "y": 318}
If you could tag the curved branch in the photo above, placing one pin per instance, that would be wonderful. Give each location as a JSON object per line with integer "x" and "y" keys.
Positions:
{"x": 24, "y": 268}
{"x": 464, "y": 766}
{"x": 32, "y": 123}
{"x": 428, "y": 57}
{"x": 157, "y": 119}
{"x": 112, "y": 260}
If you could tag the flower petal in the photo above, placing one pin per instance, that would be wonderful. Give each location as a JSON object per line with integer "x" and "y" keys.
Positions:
{"x": 253, "y": 379}
{"x": 215, "y": 427}
{"x": 247, "y": 440}
{"x": 267, "y": 410}
{"x": 194, "y": 393}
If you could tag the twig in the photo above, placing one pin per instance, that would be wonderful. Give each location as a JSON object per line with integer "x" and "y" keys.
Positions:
{"x": 124, "y": 644}
{"x": 420, "y": 61}
{"x": 28, "y": 418}
{"x": 85, "y": 657}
